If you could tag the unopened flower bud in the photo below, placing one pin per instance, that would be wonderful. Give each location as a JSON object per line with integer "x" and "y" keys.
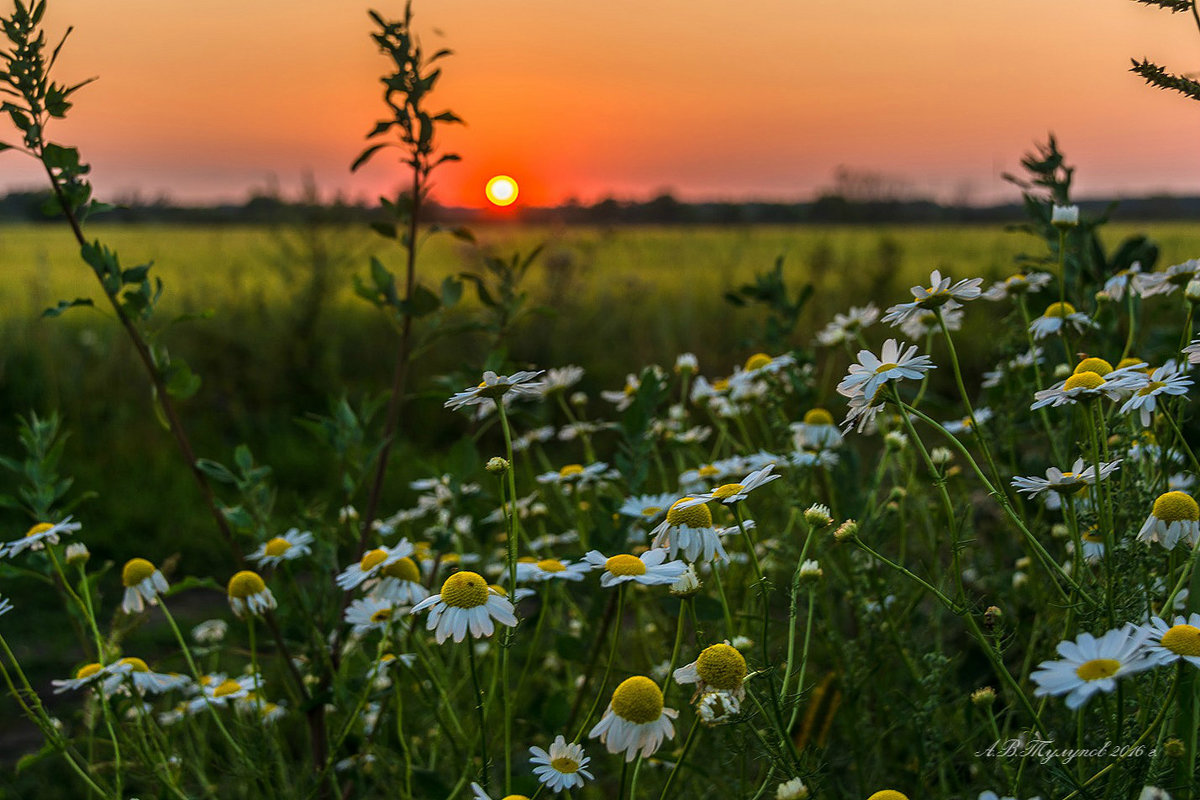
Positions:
{"x": 792, "y": 790}
{"x": 991, "y": 616}
{"x": 847, "y": 530}
{"x": 940, "y": 456}
{"x": 497, "y": 465}
{"x": 817, "y": 516}
{"x": 77, "y": 553}
{"x": 810, "y": 572}
{"x": 1192, "y": 292}
{"x": 895, "y": 440}
{"x": 1064, "y": 216}
{"x": 983, "y": 697}
{"x": 1174, "y": 748}
{"x": 578, "y": 399}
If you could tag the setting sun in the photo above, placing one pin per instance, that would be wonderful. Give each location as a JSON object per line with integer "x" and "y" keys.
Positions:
{"x": 501, "y": 190}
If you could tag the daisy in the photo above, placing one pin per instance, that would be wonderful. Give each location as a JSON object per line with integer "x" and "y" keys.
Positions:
{"x": 761, "y": 363}
{"x": 1174, "y": 517}
{"x": 372, "y": 563}
{"x": 686, "y": 363}
{"x": 559, "y": 379}
{"x": 219, "y": 690}
{"x": 1016, "y": 285}
{"x": 494, "y": 386}
{"x": 550, "y": 569}
{"x": 211, "y": 631}
{"x": 577, "y": 474}
{"x": 711, "y": 473}
{"x": 1167, "y": 379}
{"x": 731, "y": 493}
{"x": 465, "y": 602}
{"x": 5, "y": 606}
{"x": 716, "y": 706}
{"x": 1170, "y": 643}
{"x": 398, "y": 581}
{"x": 791, "y": 790}
{"x": 863, "y": 410}
{"x": 1064, "y": 483}
{"x": 635, "y": 720}
{"x": 957, "y": 426}
{"x": 846, "y": 326}
{"x": 719, "y": 667}
{"x": 248, "y": 593}
{"x": 1087, "y": 386}
{"x": 1093, "y": 544}
{"x": 689, "y": 529}
{"x": 39, "y": 536}
{"x": 1192, "y": 351}
{"x": 1058, "y": 316}
{"x": 648, "y": 569}
{"x": 1064, "y": 216}
{"x": 86, "y": 675}
{"x": 1089, "y": 665}
{"x": 143, "y": 584}
{"x": 939, "y": 293}
{"x": 291, "y": 545}
{"x": 563, "y": 767}
{"x": 369, "y": 614}
{"x": 134, "y": 671}
{"x": 624, "y": 398}
{"x": 816, "y": 432}
{"x": 872, "y": 372}
{"x": 647, "y": 507}
{"x": 1114, "y": 287}
{"x": 924, "y": 323}
{"x": 1148, "y": 284}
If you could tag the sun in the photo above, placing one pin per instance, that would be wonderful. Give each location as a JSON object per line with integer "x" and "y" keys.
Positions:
{"x": 501, "y": 190}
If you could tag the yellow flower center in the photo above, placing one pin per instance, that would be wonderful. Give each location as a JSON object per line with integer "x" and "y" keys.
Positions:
{"x": 625, "y": 564}
{"x": 1128, "y": 362}
{"x": 638, "y": 700}
{"x": 728, "y": 490}
{"x": 707, "y": 471}
{"x": 1098, "y": 668}
{"x": 551, "y": 565}
{"x": 41, "y": 527}
{"x": 818, "y": 416}
{"x": 570, "y": 471}
{"x": 1096, "y": 365}
{"x": 564, "y": 765}
{"x": 1060, "y": 310}
{"x": 465, "y": 590}
{"x": 1151, "y": 388}
{"x": 405, "y": 569}
{"x": 721, "y": 667}
{"x": 245, "y": 583}
{"x": 1093, "y": 535}
{"x": 885, "y": 367}
{"x": 1083, "y": 380}
{"x": 450, "y": 558}
{"x": 888, "y": 794}
{"x": 1182, "y": 639}
{"x": 697, "y": 516}
{"x": 227, "y": 688}
{"x": 372, "y": 559}
{"x": 514, "y": 797}
{"x": 277, "y": 546}
{"x": 382, "y": 615}
{"x": 720, "y": 385}
{"x": 136, "y": 570}
{"x": 87, "y": 670}
{"x": 134, "y": 664}
{"x": 757, "y": 361}
{"x": 1176, "y": 507}
{"x": 650, "y": 511}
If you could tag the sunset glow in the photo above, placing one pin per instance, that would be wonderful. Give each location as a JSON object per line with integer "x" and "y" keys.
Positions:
{"x": 501, "y": 190}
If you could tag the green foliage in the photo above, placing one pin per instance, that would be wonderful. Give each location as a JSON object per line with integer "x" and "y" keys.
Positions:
{"x": 1159, "y": 76}
{"x": 783, "y": 310}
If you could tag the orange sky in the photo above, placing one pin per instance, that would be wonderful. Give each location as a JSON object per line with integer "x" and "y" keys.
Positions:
{"x": 711, "y": 99}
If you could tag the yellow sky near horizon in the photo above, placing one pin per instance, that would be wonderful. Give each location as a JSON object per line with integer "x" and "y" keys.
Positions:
{"x": 578, "y": 99}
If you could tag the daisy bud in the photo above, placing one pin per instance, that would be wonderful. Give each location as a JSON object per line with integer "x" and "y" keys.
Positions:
{"x": 811, "y": 572}
{"x": 1062, "y": 370}
{"x": 1019, "y": 579}
{"x": 347, "y": 514}
{"x": 940, "y": 456}
{"x": 1064, "y": 216}
{"x": 991, "y": 616}
{"x": 895, "y": 440}
{"x": 1173, "y": 748}
{"x": 742, "y": 643}
{"x": 1024, "y": 562}
{"x": 686, "y": 362}
{"x": 1192, "y": 292}
{"x": 847, "y": 530}
{"x": 897, "y": 494}
{"x": 983, "y": 697}
{"x": 578, "y": 399}
{"x": 817, "y": 516}
{"x": 1059, "y": 531}
{"x": 77, "y": 553}
{"x": 792, "y": 790}
{"x": 687, "y": 585}
{"x": 497, "y": 465}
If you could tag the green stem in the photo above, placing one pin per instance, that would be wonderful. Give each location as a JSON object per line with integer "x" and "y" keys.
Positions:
{"x": 483, "y": 769}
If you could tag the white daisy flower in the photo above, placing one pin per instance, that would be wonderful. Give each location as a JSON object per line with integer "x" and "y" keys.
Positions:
{"x": 86, "y": 675}
{"x": 1064, "y": 216}
{"x": 143, "y": 584}
{"x": 39, "y": 536}
{"x": 730, "y": 493}
{"x": 1192, "y": 351}
{"x": 862, "y": 412}
{"x": 1057, "y": 316}
{"x": 686, "y": 362}
{"x": 720, "y": 667}
{"x": 372, "y": 563}
{"x": 893, "y": 363}
{"x": 559, "y": 379}
{"x": 940, "y": 292}
{"x": 924, "y": 323}
{"x": 219, "y": 690}
{"x": 817, "y": 431}
{"x": 846, "y": 326}
{"x": 211, "y": 631}
{"x": 291, "y": 545}
{"x": 647, "y": 507}
{"x": 466, "y": 602}
{"x": 1115, "y": 286}
{"x": 791, "y": 790}
{"x": 578, "y": 475}
{"x": 552, "y": 569}
{"x": 494, "y": 386}
{"x": 398, "y": 581}
{"x": 1179, "y": 640}
{"x": 1089, "y": 665}
{"x": 762, "y": 363}
{"x": 370, "y": 614}
{"x": 1068, "y": 482}
{"x": 134, "y": 671}
{"x": 563, "y": 767}
{"x": 5, "y": 605}
{"x": 648, "y": 569}
{"x": 1167, "y": 379}
{"x": 1093, "y": 544}
{"x": 624, "y": 398}
{"x": 716, "y": 706}
{"x": 1016, "y": 285}
{"x": 635, "y": 720}
{"x": 688, "y": 529}
{"x": 712, "y": 473}
{"x": 248, "y": 594}
{"x": 267, "y": 712}
{"x": 1177, "y": 276}
{"x": 1087, "y": 385}
{"x": 529, "y": 438}
{"x": 957, "y": 426}
{"x": 1174, "y": 517}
